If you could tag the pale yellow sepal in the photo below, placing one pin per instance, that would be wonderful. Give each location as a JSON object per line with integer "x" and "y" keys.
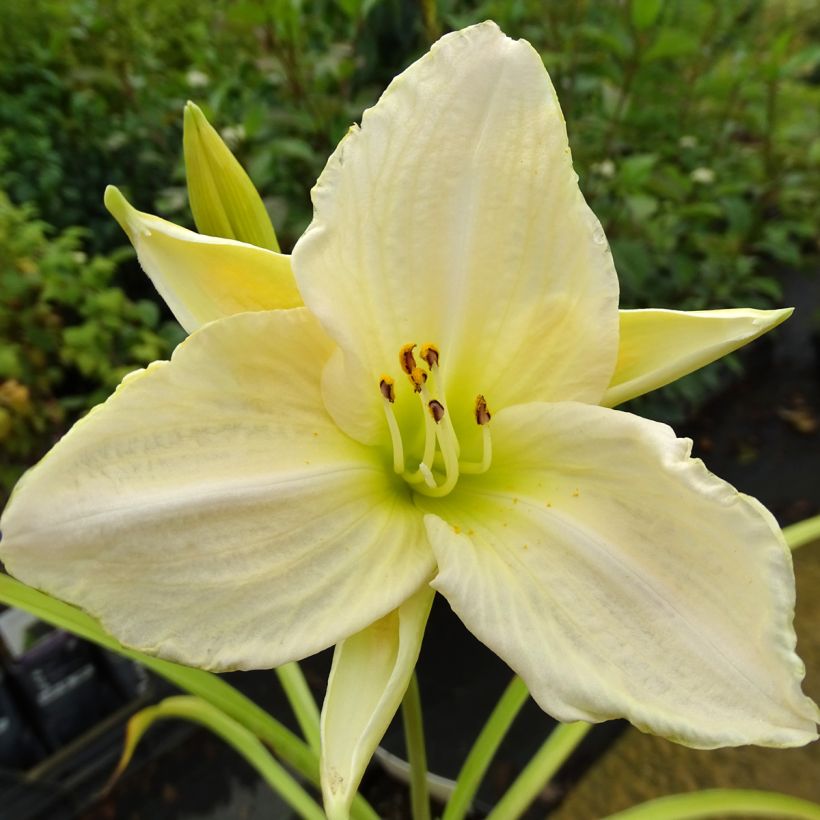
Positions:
{"x": 203, "y": 278}
{"x": 368, "y": 679}
{"x": 223, "y": 199}
{"x": 659, "y": 346}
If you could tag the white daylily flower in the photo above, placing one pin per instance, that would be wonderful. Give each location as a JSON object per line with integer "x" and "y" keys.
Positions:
{"x": 296, "y": 478}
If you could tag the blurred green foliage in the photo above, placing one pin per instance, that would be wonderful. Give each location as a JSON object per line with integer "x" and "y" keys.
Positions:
{"x": 69, "y": 334}
{"x": 693, "y": 123}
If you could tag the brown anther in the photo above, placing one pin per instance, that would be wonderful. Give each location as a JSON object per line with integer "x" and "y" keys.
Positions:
{"x": 406, "y": 358}
{"x": 482, "y": 414}
{"x": 387, "y": 389}
{"x": 418, "y": 377}
{"x": 429, "y": 353}
{"x": 436, "y": 410}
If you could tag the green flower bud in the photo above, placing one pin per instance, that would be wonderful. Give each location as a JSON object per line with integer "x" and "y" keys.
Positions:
{"x": 223, "y": 199}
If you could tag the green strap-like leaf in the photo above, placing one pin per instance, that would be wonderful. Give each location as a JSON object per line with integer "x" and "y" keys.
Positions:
{"x": 803, "y": 532}
{"x": 301, "y": 701}
{"x": 285, "y": 744}
{"x": 484, "y": 749}
{"x": 540, "y": 770}
{"x": 204, "y": 684}
{"x": 199, "y": 711}
{"x": 722, "y": 803}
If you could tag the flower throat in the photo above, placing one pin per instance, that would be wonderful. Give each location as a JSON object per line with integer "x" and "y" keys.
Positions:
{"x": 440, "y": 465}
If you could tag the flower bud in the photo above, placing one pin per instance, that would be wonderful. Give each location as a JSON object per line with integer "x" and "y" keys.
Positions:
{"x": 223, "y": 199}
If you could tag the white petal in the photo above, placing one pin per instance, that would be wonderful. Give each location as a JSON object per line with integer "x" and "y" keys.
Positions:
{"x": 368, "y": 679}
{"x": 659, "y": 346}
{"x": 453, "y": 216}
{"x": 211, "y": 512}
{"x": 202, "y": 278}
{"x": 618, "y": 576}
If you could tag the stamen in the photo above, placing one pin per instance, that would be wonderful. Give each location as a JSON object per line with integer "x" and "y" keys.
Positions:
{"x": 430, "y": 354}
{"x": 406, "y": 358}
{"x": 447, "y": 444}
{"x": 417, "y": 378}
{"x": 387, "y": 386}
{"x": 482, "y": 417}
{"x": 482, "y": 414}
{"x": 389, "y": 396}
{"x": 436, "y": 410}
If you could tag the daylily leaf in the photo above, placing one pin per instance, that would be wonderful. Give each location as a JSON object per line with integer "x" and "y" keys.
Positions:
{"x": 207, "y": 686}
{"x": 202, "y": 278}
{"x": 223, "y": 199}
{"x": 199, "y": 711}
{"x": 659, "y": 346}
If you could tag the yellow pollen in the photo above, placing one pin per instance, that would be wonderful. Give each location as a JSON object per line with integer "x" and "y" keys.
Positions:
{"x": 406, "y": 358}
{"x": 418, "y": 377}
{"x": 386, "y": 385}
{"x": 430, "y": 354}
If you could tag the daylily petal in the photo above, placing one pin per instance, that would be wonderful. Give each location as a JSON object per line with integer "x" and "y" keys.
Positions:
{"x": 203, "y": 278}
{"x": 618, "y": 576}
{"x": 223, "y": 199}
{"x": 453, "y": 216}
{"x": 211, "y": 512}
{"x": 368, "y": 679}
{"x": 659, "y": 346}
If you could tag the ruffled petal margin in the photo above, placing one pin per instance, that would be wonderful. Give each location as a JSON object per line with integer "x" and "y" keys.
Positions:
{"x": 619, "y": 577}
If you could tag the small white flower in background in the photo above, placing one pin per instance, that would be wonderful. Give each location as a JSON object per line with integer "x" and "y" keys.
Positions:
{"x": 703, "y": 176}
{"x": 233, "y": 135}
{"x": 197, "y": 79}
{"x": 606, "y": 168}
{"x": 688, "y": 141}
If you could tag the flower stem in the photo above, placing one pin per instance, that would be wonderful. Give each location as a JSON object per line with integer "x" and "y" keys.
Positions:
{"x": 803, "y": 532}
{"x": 484, "y": 749}
{"x": 539, "y": 771}
{"x": 301, "y": 701}
{"x": 722, "y": 803}
{"x": 414, "y": 739}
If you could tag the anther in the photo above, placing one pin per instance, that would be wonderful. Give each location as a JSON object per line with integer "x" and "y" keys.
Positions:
{"x": 436, "y": 410}
{"x": 482, "y": 414}
{"x": 429, "y": 353}
{"x": 418, "y": 377}
{"x": 386, "y": 385}
{"x": 406, "y": 358}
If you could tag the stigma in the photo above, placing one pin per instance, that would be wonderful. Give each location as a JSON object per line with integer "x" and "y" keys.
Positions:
{"x": 437, "y": 470}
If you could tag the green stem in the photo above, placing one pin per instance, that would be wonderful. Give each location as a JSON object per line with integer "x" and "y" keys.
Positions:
{"x": 484, "y": 749}
{"x": 539, "y": 771}
{"x": 301, "y": 701}
{"x": 429, "y": 13}
{"x": 803, "y": 532}
{"x": 722, "y": 803}
{"x": 414, "y": 739}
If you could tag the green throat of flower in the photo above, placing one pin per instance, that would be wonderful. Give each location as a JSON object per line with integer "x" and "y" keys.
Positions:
{"x": 440, "y": 464}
